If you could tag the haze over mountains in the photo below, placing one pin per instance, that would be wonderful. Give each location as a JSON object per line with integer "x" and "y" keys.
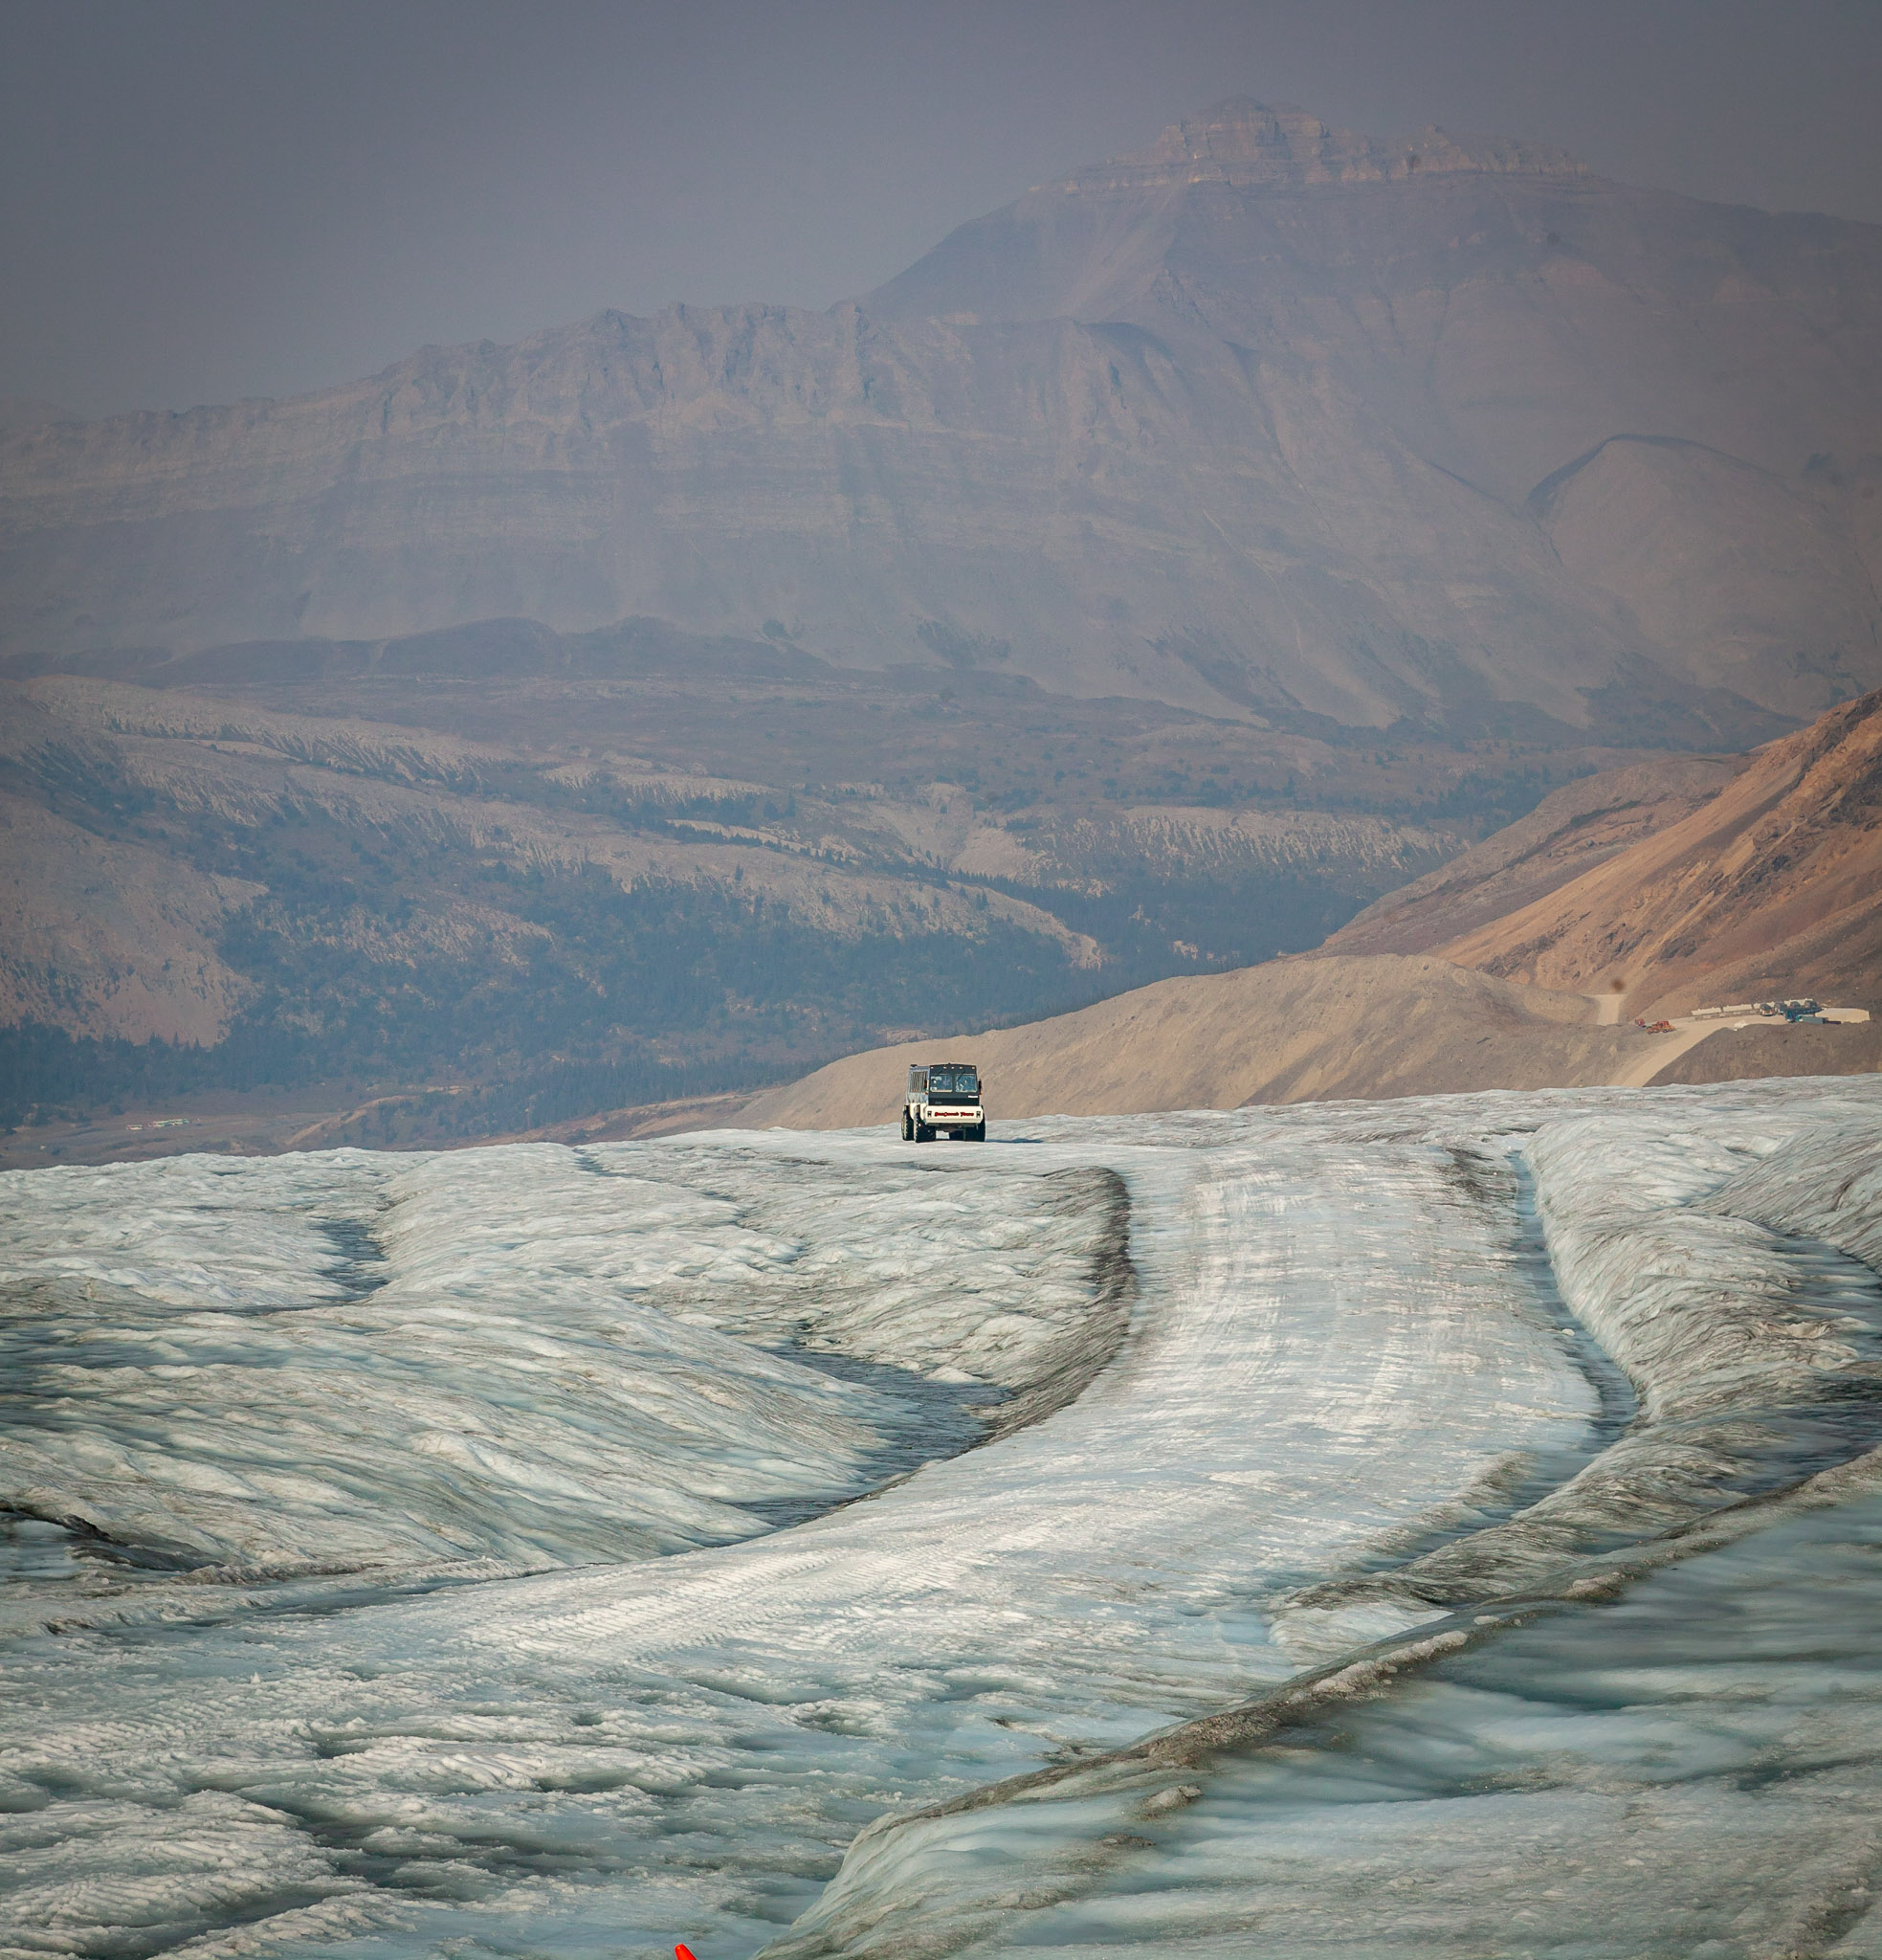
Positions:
{"x": 1266, "y": 420}
{"x": 1162, "y": 570}
{"x": 1279, "y": 618}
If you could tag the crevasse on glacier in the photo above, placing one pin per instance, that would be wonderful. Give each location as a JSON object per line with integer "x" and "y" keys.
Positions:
{"x": 404, "y": 1559}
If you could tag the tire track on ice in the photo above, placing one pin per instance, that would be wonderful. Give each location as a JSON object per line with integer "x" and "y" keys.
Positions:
{"x": 1324, "y": 1350}
{"x": 1717, "y": 1320}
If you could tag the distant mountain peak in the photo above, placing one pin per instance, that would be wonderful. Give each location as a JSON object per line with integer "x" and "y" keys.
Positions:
{"x": 1243, "y": 142}
{"x": 1241, "y": 130}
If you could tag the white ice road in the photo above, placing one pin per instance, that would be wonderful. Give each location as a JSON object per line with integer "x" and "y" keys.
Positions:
{"x": 1435, "y": 1526}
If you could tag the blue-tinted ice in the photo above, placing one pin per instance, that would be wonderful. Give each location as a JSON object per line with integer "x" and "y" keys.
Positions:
{"x": 404, "y": 1555}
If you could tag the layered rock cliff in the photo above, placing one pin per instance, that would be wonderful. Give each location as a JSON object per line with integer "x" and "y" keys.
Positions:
{"x": 1267, "y": 419}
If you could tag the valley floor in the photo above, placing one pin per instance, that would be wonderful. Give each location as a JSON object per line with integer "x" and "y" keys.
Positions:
{"x": 1444, "y": 1525}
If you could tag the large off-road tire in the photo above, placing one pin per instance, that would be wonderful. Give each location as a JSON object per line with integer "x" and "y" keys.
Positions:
{"x": 908, "y": 1132}
{"x": 923, "y": 1134}
{"x": 978, "y": 1132}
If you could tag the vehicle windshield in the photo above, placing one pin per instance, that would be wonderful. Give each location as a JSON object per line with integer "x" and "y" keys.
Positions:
{"x": 953, "y": 1082}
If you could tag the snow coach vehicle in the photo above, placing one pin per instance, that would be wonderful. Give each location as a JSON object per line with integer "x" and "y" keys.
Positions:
{"x": 943, "y": 1097}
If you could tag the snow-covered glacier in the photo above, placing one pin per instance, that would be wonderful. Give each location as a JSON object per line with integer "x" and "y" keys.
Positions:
{"x": 1446, "y": 1525}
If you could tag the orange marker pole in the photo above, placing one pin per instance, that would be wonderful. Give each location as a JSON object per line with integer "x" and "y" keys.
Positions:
{"x": 683, "y": 1953}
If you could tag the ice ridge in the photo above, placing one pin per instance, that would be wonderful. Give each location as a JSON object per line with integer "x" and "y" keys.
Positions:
{"x": 1339, "y": 1349}
{"x": 351, "y": 1361}
{"x": 1727, "y": 1329}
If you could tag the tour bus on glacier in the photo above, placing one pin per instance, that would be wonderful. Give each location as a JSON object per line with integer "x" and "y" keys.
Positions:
{"x": 944, "y": 1096}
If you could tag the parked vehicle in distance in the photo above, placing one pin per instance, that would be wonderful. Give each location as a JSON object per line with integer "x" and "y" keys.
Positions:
{"x": 1800, "y": 1009}
{"x": 943, "y": 1097}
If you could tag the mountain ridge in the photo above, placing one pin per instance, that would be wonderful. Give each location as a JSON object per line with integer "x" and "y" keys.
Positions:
{"x": 1265, "y": 448}
{"x": 1768, "y": 887}
{"x": 1240, "y": 139}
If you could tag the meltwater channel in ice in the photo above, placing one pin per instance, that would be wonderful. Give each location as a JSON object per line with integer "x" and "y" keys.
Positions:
{"x": 1131, "y": 1534}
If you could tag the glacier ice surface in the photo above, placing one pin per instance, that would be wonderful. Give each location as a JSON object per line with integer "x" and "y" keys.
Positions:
{"x": 517, "y": 1354}
{"x": 464, "y": 1624}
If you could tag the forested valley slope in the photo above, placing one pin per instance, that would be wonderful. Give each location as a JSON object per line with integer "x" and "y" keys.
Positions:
{"x": 495, "y": 879}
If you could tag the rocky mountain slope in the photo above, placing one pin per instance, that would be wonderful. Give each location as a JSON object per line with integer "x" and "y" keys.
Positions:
{"x": 1772, "y": 887}
{"x": 1292, "y": 1030}
{"x": 1663, "y": 888}
{"x": 1571, "y": 831}
{"x": 1269, "y": 420}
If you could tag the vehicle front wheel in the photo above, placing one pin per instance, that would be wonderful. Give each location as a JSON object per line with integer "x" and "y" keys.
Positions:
{"x": 908, "y": 1134}
{"x": 978, "y": 1132}
{"x": 923, "y": 1134}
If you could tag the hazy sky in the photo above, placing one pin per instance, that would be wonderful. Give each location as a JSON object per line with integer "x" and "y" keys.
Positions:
{"x": 201, "y": 201}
